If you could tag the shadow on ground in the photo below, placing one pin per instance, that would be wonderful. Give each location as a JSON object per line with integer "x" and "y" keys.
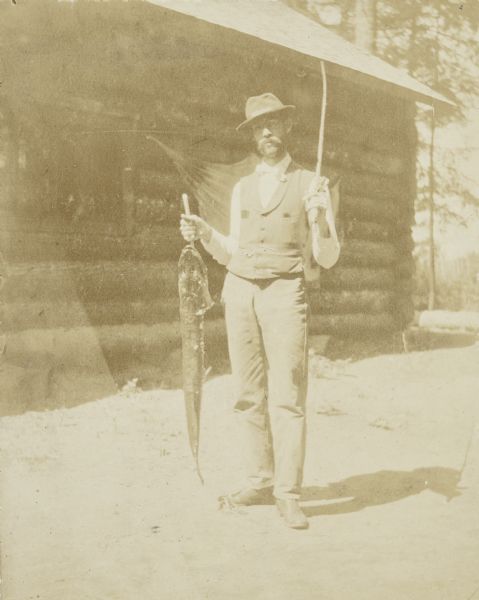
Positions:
{"x": 38, "y": 382}
{"x": 35, "y": 382}
{"x": 373, "y": 489}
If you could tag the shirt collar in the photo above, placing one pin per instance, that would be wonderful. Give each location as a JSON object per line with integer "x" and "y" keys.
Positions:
{"x": 278, "y": 169}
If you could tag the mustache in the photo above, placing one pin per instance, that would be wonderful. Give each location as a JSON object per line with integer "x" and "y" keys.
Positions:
{"x": 270, "y": 140}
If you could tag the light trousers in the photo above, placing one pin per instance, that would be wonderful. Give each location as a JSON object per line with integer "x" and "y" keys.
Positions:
{"x": 267, "y": 339}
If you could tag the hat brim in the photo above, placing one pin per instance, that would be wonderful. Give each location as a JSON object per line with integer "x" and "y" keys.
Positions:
{"x": 251, "y": 120}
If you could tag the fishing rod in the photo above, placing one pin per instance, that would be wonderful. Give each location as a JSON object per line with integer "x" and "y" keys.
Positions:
{"x": 318, "y": 183}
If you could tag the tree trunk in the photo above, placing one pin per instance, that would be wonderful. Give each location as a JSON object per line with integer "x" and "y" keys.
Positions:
{"x": 432, "y": 258}
{"x": 365, "y": 24}
{"x": 432, "y": 186}
{"x": 449, "y": 320}
{"x": 12, "y": 149}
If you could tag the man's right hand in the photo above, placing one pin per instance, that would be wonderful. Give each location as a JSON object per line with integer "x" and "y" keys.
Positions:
{"x": 193, "y": 227}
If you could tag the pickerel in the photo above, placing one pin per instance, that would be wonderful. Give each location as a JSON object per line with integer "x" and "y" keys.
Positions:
{"x": 195, "y": 300}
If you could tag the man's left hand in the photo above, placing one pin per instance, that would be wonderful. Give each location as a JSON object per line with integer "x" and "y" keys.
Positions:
{"x": 317, "y": 198}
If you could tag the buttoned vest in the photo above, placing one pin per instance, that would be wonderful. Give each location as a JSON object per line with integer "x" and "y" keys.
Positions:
{"x": 270, "y": 243}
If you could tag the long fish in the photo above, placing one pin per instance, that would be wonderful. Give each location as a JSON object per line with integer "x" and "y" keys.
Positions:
{"x": 195, "y": 300}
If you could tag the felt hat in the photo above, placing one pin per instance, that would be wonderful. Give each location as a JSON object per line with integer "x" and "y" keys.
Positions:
{"x": 265, "y": 104}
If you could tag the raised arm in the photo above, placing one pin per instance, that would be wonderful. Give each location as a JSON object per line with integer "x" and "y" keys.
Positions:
{"x": 324, "y": 241}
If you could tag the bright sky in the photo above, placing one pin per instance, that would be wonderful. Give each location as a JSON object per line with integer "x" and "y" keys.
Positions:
{"x": 457, "y": 240}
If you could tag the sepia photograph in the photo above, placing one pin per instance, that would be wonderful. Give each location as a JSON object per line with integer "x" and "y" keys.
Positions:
{"x": 239, "y": 300}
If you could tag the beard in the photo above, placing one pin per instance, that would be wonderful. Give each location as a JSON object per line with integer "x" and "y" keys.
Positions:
{"x": 271, "y": 147}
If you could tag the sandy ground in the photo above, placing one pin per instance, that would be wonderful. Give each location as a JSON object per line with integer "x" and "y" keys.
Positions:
{"x": 100, "y": 501}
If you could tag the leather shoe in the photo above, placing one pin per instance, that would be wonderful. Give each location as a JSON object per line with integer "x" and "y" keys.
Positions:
{"x": 249, "y": 497}
{"x": 292, "y": 514}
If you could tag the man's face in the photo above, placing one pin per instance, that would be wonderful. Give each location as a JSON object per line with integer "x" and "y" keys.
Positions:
{"x": 270, "y": 133}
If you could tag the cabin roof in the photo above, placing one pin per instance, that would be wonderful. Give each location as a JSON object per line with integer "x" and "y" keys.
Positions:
{"x": 275, "y": 23}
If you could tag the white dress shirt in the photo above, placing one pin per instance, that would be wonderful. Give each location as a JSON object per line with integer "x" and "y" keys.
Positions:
{"x": 269, "y": 178}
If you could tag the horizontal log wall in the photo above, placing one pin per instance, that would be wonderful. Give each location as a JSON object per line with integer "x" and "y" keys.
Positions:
{"x": 85, "y": 275}
{"x": 370, "y": 142}
{"x": 375, "y": 159}
{"x": 97, "y": 281}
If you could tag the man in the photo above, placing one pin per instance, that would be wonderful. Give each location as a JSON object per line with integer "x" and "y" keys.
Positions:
{"x": 278, "y": 218}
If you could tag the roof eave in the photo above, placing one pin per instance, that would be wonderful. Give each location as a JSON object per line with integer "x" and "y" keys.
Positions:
{"x": 343, "y": 71}
{"x": 346, "y": 73}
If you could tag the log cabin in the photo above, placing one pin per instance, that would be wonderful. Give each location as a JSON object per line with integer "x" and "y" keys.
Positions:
{"x": 109, "y": 110}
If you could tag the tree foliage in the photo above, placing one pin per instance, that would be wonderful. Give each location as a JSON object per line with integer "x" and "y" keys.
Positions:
{"x": 437, "y": 42}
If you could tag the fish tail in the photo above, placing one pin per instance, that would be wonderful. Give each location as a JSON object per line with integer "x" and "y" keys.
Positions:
{"x": 198, "y": 471}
